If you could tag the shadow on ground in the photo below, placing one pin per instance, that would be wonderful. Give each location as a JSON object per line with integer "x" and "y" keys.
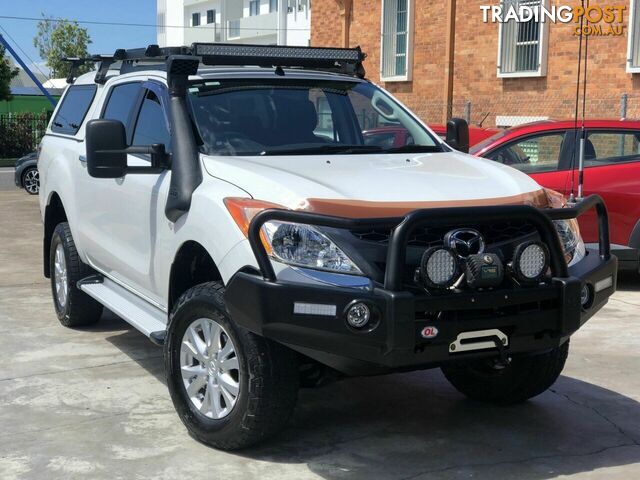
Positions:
{"x": 416, "y": 425}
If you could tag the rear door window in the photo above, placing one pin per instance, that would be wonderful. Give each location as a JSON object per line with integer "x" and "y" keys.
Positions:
{"x": 610, "y": 148}
{"x": 73, "y": 109}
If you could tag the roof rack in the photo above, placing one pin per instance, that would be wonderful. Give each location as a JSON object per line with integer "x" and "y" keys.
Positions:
{"x": 339, "y": 60}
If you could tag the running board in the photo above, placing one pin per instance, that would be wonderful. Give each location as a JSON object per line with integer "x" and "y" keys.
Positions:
{"x": 132, "y": 309}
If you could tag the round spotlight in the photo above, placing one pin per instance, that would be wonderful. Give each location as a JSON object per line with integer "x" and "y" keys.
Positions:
{"x": 358, "y": 315}
{"x": 586, "y": 296}
{"x": 439, "y": 268}
{"x": 530, "y": 261}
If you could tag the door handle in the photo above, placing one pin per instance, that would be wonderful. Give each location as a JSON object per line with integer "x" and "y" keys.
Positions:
{"x": 82, "y": 158}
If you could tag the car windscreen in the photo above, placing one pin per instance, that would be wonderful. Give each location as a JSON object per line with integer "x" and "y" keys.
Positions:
{"x": 299, "y": 117}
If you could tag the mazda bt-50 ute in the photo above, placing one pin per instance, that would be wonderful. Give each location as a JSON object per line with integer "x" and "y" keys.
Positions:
{"x": 223, "y": 200}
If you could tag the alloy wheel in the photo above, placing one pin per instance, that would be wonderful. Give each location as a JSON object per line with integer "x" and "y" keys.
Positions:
{"x": 210, "y": 368}
{"x": 32, "y": 181}
{"x": 60, "y": 276}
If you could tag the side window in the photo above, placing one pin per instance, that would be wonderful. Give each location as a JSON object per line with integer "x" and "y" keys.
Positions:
{"x": 607, "y": 148}
{"x": 536, "y": 154}
{"x": 73, "y": 109}
{"x": 151, "y": 126}
{"x": 122, "y": 99}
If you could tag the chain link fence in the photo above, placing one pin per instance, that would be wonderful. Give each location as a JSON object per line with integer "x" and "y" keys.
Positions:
{"x": 509, "y": 110}
{"x": 20, "y": 133}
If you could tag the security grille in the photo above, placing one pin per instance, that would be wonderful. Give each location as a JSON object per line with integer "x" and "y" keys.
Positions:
{"x": 520, "y": 42}
{"x": 395, "y": 33}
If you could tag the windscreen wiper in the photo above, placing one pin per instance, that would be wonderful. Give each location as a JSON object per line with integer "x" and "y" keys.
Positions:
{"x": 326, "y": 149}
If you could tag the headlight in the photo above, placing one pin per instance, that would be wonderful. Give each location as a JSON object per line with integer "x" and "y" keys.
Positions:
{"x": 572, "y": 244}
{"x": 291, "y": 243}
{"x": 306, "y": 246}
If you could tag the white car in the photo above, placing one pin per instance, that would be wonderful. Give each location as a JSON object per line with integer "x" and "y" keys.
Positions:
{"x": 234, "y": 214}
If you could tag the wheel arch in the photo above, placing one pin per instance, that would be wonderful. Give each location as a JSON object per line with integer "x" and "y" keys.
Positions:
{"x": 192, "y": 265}
{"x": 54, "y": 214}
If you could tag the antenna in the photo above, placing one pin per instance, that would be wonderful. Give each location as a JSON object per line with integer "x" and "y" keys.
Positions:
{"x": 583, "y": 133}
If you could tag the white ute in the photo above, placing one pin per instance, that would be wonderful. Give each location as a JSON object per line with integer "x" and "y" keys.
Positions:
{"x": 223, "y": 200}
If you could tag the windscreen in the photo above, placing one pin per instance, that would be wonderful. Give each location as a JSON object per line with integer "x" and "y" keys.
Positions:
{"x": 287, "y": 117}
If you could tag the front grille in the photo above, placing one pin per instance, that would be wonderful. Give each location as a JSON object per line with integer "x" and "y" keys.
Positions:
{"x": 495, "y": 233}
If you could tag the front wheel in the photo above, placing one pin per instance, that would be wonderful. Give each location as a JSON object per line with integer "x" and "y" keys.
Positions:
{"x": 31, "y": 181}
{"x": 519, "y": 379}
{"x": 230, "y": 387}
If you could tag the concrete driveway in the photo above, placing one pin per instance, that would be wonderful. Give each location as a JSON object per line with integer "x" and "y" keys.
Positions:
{"x": 92, "y": 403}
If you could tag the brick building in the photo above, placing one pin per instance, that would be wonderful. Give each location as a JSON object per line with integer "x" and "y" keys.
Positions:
{"x": 439, "y": 57}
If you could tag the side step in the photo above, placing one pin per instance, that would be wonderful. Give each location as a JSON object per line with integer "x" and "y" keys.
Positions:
{"x": 145, "y": 317}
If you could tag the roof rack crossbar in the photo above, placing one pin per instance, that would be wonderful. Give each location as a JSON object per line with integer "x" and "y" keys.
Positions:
{"x": 339, "y": 60}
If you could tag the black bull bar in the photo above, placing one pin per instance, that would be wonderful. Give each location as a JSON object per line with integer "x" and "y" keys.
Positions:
{"x": 402, "y": 227}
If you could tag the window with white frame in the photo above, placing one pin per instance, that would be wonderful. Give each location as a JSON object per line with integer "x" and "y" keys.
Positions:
{"x": 522, "y": 49}
{"x": 633, "y": 51}
{"x": 195, "y": 19}
{"x": 396, "y": 48}
{"x": 273, "y": 6}
{"x": 211, "y": 16}
{"x": 254, "y": 7}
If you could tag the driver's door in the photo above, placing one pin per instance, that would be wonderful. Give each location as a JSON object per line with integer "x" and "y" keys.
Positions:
{"x": 539, "y": 155}
{"x": 127, "y": 225}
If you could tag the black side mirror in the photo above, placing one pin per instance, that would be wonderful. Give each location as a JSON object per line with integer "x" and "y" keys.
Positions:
{"x": 458, "y": 134}
{"x": 106, "y": 144}
{"x": 107, "y": 151}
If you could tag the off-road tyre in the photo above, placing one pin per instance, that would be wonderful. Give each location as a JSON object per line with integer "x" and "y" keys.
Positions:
{"x": 268, "y": 376}
{"x": 78, "y": 309}
{"x": 523, "y": 378}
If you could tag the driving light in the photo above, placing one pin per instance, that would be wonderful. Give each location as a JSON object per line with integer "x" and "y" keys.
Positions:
{"x": 358, "y": 315}
{"x": 305, "y": 246}
{"x": 439, "y": 268}
{"x": 530, "y": 261}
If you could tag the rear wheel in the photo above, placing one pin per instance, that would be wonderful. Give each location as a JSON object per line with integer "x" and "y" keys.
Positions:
{"x": 515, "y": 381}
{"x": 74, "y": 308}
{"x": 231, "y": 388}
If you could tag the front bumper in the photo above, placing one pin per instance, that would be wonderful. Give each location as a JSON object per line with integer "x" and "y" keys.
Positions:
{"x": 533, "y": 319}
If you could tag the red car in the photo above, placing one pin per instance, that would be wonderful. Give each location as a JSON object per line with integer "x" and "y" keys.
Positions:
{"x": 476, "y": 134}
{"x": 548, "y": 151}
{"x": 391, "y": 137}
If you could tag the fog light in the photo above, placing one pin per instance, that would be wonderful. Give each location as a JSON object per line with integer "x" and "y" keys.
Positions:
{"x": 358, "y": 315}
{"x": 585, "y": 296}
{"x": 530, "y": 261}
{"x": 439, "y": 268}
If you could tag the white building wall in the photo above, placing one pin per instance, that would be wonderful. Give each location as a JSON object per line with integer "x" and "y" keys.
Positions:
{"x": 174, "y": 18}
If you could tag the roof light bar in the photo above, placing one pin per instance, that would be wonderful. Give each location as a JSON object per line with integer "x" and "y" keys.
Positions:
{"x": 346, "y": 60}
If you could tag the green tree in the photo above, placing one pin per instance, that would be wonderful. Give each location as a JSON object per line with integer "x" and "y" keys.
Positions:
{"x": 58, "y": 38}
{"x": 7, "y": 73}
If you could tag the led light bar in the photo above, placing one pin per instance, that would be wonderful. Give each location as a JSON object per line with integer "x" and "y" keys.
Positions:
{"x": 348, "y": 60}
{"x": 300, "y": 308}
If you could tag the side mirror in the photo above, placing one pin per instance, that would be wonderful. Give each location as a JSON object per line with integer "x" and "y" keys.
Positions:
{"x": 107, "y": 151}
{"x": 106, "y": 142}
{"x": 458, "y": 134}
